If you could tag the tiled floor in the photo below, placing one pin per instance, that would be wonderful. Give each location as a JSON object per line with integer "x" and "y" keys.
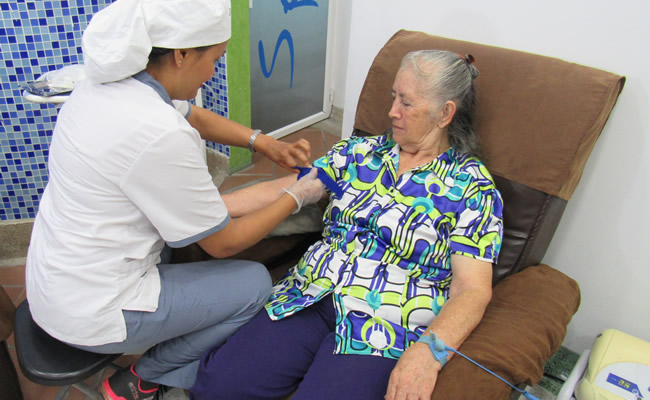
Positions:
{"x": 12, "y": 279}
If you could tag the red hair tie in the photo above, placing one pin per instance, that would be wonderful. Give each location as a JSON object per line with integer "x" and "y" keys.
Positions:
{"x": 468, "y": 58}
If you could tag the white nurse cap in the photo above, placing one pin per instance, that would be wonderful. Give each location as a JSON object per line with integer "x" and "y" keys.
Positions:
{"x": 117, "y": 42}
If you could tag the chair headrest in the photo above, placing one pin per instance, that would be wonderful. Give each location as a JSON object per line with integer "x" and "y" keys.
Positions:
{"x": 538, "y": 117}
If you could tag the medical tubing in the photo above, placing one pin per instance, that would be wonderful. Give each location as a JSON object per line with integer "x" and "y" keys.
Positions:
{"x": 525, "y": 393}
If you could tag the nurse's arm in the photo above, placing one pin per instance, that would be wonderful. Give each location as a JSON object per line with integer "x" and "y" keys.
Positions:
{"x": 216, "y": 128}
{"x": 260, "y": 209}
{"x": 242, "y": 233}
{"x": 252, "y": 198}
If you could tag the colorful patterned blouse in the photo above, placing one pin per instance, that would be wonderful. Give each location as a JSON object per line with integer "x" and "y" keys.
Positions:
{"x": 387, "y": 243}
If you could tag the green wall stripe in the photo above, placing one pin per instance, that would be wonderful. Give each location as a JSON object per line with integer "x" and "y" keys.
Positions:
{"x": 239, "y": 86}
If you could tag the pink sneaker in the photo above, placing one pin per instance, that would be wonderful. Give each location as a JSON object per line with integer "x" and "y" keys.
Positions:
{"x": 125, "y": 384}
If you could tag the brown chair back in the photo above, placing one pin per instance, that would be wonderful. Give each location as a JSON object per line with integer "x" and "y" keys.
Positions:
{"x": 538, "y": 119}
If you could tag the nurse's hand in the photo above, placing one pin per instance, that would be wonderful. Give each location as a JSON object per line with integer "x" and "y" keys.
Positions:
{"x": 284, "y": 154}
{"x": 306, "y": 190}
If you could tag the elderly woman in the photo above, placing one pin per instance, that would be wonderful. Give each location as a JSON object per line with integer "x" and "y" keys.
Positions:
{"x": 407, "y": 251}
{"x": 127, "y": 176}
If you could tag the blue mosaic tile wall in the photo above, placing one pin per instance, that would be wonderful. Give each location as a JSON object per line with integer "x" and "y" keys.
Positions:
{"x": 214, "y": 95}
{"x": 37, "y": 37}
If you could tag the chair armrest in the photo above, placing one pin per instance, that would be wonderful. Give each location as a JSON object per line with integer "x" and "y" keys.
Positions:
{"x": 523, "y": 325}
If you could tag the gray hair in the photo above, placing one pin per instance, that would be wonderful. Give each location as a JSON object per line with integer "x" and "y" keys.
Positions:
{"x": 442, "y": 76}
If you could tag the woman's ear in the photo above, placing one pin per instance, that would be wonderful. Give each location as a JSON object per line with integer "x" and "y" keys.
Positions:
{"x": 179, "y": 56}
{"x": 447, "y": 112}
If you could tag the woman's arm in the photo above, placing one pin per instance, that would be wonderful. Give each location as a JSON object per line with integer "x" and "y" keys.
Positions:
{"x": 218, "y": 129}
{"x": 416, "y": 372}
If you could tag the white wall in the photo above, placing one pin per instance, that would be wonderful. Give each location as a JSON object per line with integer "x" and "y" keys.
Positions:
{"x": 602, "y": 241}
{"x": 342, "y": 15}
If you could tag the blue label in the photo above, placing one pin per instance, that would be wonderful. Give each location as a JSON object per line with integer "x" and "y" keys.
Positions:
{"x": 624, "y": 384}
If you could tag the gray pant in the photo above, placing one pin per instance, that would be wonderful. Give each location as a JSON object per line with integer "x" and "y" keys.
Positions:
{"x": 201, "y": 304}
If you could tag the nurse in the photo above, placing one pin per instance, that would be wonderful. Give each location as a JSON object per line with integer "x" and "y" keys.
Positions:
{"x": 127, "y": 175}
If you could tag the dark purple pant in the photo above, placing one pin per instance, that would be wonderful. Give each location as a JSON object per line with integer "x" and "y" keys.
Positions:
{"x": 270, "y": 359}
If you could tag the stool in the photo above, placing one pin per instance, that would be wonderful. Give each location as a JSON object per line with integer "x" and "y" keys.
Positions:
{"x": 48, "y": 361}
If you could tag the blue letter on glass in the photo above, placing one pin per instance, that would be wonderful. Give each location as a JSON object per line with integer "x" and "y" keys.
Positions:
{"x": 291, "y": 4}
{"x": 284, "y": 35}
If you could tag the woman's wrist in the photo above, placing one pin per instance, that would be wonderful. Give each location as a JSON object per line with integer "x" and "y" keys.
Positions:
{"x": 436, "y": 346}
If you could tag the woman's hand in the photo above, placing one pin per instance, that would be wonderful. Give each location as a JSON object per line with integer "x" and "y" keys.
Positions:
{"x": 414, "y": 376}
{"x": 284, "y": 154}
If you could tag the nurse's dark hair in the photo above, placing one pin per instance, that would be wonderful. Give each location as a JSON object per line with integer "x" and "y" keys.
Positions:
{"x": 158, "y": 52}
{"x": 443, "y": 75}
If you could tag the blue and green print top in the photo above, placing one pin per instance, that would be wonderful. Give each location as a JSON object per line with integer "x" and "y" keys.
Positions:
{"x": 387, "y": 244}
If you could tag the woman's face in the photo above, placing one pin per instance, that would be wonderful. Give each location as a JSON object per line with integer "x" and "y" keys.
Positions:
{"x": 198, "y": 68}
{"x": 412, "y": 123}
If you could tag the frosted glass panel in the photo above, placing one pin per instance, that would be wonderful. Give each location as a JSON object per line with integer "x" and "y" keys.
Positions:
{"x": 288, "y": 53}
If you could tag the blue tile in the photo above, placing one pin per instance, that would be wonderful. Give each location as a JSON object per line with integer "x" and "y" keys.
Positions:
{"x": 37, "y": 37}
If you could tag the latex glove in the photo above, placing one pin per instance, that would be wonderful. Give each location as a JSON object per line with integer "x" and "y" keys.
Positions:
{"x": 307, "y": 190}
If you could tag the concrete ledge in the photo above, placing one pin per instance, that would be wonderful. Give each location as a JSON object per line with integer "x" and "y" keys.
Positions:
{"x": 14, "y": 241}
{"x": 15, "y": 235}
{"x": 218, "y": 166}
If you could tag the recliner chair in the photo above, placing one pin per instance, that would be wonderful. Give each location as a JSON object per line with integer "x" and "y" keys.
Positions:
{"x": 538, "y": 119}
